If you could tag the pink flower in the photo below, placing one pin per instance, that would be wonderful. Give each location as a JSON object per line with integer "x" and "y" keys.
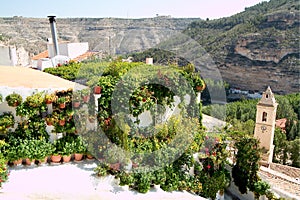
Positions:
{"x": 208, "y": 166}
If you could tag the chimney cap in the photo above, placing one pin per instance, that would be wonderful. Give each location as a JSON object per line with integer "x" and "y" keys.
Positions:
{"x": 51, "y": 18}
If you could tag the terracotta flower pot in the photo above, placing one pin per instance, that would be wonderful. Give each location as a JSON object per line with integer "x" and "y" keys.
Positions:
{"x": 18, "y": 162}
{"x": 97, "y": 90}
{"x": 62, "y": 122}
{"x": 28, "y": 161}
{"x": 86, "y": 98}
{"x": 48, "y": 101}
{"x": 115, "y": 166}
{"x": 200, "y": 88}
{"x": 56, "y": 158}
{"x": 89, "y": 156}
{"x": 43, "y": 161}
{"x": 76, "y": 104}
{"x": 66, "y": 159}
{"x": 78, "y": 156}
{"x": 62, "y": 105}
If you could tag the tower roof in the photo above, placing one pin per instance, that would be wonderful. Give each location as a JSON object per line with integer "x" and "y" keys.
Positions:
{"x": 268, "y": 98}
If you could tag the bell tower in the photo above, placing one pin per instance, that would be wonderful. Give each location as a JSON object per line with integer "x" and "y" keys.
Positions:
{"x": 265, "y": 124}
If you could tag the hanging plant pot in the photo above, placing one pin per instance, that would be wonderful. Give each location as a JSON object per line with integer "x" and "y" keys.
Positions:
{"x": 200, "y": 87}
{"x": 115, "y": 166}
{"x": 56, "y": 158}
{"x": 78, "y": 156}
{"x": 62, "y": 105}
{"x": 48, "y": 101}
{"x": 66, "y": 159}
{"x": 86, "y": 98}
{"x": 49, "y": 122}
{"x": 62, "y": 122}
{"x": 76, "y": 104}
{"x": 97, "y": 90}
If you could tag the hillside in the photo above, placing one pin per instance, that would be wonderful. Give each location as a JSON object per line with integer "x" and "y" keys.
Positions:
{"x": 252, "y": 49}
{"x": 111, "y": 35}
{"x": 255, "y": 48}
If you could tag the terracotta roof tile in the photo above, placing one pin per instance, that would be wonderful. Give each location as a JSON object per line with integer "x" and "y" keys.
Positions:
{"x": 43, "y": 54}
{"x": 84, "y": 56}
{"x": 281, "y": 123}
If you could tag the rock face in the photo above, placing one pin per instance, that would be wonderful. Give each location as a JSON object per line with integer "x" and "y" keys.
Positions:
{"x": 256, "y": 48}
{"x": 114, "y": 36}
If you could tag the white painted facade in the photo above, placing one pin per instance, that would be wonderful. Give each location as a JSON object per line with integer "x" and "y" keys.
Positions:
{"x": 8, "y": 56}
{"x": 71, "y": 50}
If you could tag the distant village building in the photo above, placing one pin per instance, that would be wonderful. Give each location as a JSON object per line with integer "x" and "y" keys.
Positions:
{"x": 8, "y": 55}
{"x": 265, "y": 124}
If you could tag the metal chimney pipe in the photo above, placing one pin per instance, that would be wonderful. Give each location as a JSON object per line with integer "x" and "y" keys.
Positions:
{"x": 53, "y": 33}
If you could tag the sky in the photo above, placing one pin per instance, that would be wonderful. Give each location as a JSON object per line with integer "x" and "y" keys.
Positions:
{"x": 211, "y": 9}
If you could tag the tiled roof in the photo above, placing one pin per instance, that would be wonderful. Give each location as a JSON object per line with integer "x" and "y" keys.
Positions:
{"x": 43, "y": 54}
{"x": 281, "y": 123}
{"x": 80, "y": 58}
{"x": 84, "y": 56}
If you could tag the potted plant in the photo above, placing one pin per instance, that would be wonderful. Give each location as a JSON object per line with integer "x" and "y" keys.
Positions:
{"x": 67, "y": 151}
{"x": 61, "y": 120}
{"x": 14, "y": 154}
{"x": 101, "y": 169}
{"x": 198, "y": 83}
{"x": 76, "y": 99}
{"x": 28, "y": 151}
{"x": 35, "y": 100}
{"x": 126, "y": 179}
{"x": 114, "y": 157}
{"x": 55, "y": 157}
{"x": 85, "y": 95}
{"x": 4, "y": 173}
{"x": 43, "y": 150}
{"x": 49, "y": 98}
{"x": 80, "y": 149}
{"x": 50, "y": 120}
{"x": 14, "y": 99}
{"x": 6, "y": 120}
{"x": 62, "y": 102}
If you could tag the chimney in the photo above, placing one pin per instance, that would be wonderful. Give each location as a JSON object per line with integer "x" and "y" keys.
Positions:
{"x": 54, "y": 35}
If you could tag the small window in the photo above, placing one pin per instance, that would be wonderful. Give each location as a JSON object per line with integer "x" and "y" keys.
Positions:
{"x": 264, "y": 117}
{"x": 267, "y": 96}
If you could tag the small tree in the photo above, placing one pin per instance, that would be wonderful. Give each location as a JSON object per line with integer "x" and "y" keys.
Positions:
{"x": 245, "y": 170}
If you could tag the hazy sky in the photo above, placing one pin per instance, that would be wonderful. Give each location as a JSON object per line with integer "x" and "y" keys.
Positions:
{"x": 124, "y": 8}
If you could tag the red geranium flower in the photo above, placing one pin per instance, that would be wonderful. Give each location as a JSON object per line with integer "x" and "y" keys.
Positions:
{"x": 208, "y": 166}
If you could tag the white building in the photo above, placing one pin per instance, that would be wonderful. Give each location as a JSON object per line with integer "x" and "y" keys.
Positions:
{"x": 8, "y": 55}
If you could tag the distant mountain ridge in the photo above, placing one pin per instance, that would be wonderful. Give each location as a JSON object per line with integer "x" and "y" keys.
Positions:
{"x": 252, "y": 49}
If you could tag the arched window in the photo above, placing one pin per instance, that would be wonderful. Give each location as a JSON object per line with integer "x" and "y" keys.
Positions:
{"x": 264, "y": 116}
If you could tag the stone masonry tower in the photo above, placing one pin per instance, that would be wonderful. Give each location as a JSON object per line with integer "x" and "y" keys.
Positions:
{"x": 265, "y": 124}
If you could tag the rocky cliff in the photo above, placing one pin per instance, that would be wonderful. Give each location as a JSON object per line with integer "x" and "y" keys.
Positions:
{"x": 255, "y": 48}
